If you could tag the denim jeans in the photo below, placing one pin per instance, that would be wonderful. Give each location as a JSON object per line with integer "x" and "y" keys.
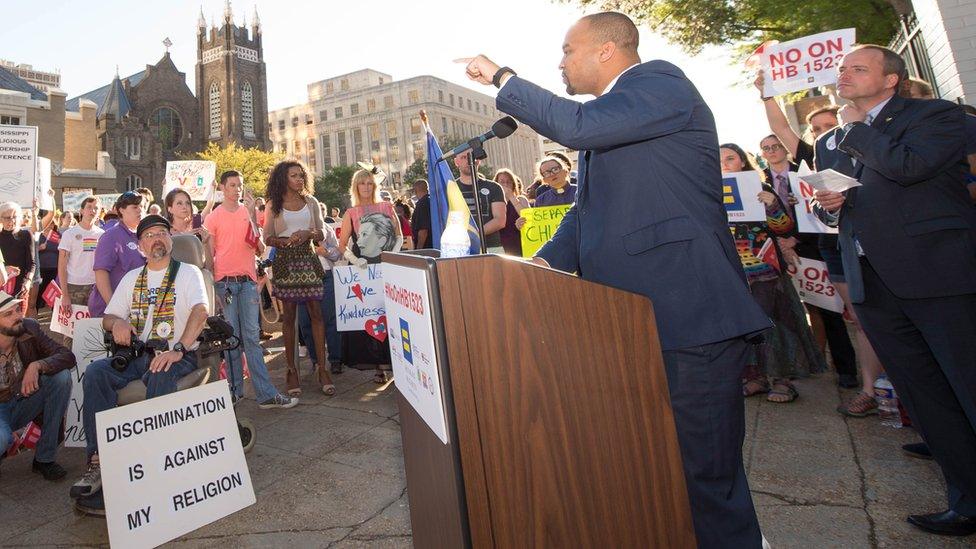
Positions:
{"x": 101, "y": 381}
{"x": 328, "y": 316}
{"x": 243, "y": 313}
{"x": 51, "y": 397}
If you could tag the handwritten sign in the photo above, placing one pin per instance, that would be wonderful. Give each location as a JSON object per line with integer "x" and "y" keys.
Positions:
{"x": 740, "y": 191}
{"x": 107, "y": 201}
{"x": 170, "y": 465}
{"x": 196, "y": 177}
{"x": 18, "y": 164}
{"x": 806, "y": 220}
{"x": 65, "y": 324}
{"x": 813, "y": 285}
{"x": 540, "y": 225}
{"x": 804, "y": 63}
{"x": 87, "y": 346}
{"x": 412, "y": 350}
{"x": 359, "y": 297}
{"x": 71, "y": 200}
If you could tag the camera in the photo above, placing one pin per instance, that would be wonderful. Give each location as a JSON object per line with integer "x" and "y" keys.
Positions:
{"x": 217, "y": 337}
{"x": 122, "y": 355}
{"x": 262, "y": 265}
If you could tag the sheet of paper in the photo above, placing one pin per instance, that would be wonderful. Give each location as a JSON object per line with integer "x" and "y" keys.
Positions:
{"x": 829, "y": 180}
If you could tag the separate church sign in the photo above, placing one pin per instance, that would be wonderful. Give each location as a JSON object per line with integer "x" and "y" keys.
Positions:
{"x": 804, "y": 63}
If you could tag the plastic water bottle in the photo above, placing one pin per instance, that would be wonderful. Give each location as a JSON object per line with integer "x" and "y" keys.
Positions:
{"x": 884, "y": 393}
{"x": 455, "y": 242}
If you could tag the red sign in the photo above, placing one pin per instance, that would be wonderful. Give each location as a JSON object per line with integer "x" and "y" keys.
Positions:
{"x": 51, "y": 293}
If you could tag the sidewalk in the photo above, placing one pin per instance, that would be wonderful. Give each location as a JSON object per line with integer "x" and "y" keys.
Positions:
{"x": 329, "y": 473}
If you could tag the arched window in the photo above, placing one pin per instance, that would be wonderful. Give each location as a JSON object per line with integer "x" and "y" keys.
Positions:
{"x": 168, "y": 127}
{"x": 214, "y": 111}
{"x": 247, "y": 108}
{"x": 133, "y": 182}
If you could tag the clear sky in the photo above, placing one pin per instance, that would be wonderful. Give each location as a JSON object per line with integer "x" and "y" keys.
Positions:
{"x": 306, "y": 41}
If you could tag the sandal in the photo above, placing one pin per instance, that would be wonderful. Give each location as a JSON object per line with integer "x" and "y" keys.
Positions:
{"x": 292, "y": 382}
{"x": 782, "y": 392}
{"x": 862, "y": 405}
{"x": 753, "y": 387}
{"x": 381, "y": 377}
{"x": 325, "y": 380}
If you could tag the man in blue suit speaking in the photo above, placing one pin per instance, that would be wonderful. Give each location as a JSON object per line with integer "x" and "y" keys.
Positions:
{"x": 648, "y": 218}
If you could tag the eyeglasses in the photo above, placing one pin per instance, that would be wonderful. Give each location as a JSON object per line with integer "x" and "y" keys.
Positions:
{"x": 154, "y": 234}
{"x": 7, "y": 217}
{"x": 771, "y": 148}
{"x": 551, "y": 171}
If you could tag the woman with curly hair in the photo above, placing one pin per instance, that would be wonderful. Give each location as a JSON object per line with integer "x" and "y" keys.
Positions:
{"x": 789, "y": 350}
{"x": 369, "y": 228}
{"x": 293, "y": 222}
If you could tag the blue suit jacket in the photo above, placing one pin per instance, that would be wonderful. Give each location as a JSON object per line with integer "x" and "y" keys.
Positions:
{"x": 648, "y": 216}
{"x": 912, "y": 215}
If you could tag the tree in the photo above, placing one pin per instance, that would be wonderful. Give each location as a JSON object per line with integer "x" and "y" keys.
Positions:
{"x": 332, "y": 187}
{"x": 694, "y": 24}
{"x": 253, "y": 163}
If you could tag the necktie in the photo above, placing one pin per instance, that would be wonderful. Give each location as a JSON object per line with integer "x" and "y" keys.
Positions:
{"x": 783, "y": 188}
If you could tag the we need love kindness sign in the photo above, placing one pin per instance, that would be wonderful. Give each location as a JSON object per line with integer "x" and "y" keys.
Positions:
{"x": 359, "y": 300}
{"x": 804, "y": 63}
{"x": 171, "y": 464}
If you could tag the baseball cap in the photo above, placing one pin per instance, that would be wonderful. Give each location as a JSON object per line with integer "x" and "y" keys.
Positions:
{"x": 151, "y": 221}
{"x": 8, "y": 301}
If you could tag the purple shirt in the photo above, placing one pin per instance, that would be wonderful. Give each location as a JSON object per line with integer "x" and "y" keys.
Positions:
{"x": 553, "y": 198}
{"x": 118, "y": 253}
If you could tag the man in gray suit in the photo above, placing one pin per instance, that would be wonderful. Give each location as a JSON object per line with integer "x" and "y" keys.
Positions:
{"x": 649, "y": 218}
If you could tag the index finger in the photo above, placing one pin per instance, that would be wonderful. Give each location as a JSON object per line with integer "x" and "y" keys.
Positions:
{"x": 464, "y": 60}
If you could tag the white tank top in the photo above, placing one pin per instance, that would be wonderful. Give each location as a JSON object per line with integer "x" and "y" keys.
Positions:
{"x": 295, "y": 221}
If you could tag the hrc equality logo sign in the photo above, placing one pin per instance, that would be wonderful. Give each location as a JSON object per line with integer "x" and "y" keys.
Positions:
{"x": 405, "y": 339}
{"x": 731, "y": 198}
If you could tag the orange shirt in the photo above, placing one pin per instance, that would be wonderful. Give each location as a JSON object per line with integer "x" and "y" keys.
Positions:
{"x": 232, "y": 254}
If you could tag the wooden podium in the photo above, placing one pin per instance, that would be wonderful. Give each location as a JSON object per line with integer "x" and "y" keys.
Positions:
{"x": 558, "y": 422}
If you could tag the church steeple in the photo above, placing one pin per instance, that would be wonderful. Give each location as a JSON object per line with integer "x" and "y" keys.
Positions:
{"x": 201, "y": 22}
{"x": 228, "y": 13}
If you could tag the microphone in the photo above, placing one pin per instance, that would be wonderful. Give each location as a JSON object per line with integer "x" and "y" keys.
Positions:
{"x": 501, "y": 129}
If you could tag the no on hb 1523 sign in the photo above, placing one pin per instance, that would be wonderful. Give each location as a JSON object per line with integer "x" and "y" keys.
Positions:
{"x": 804, "y": 63}
{"x": 813, "y": 285}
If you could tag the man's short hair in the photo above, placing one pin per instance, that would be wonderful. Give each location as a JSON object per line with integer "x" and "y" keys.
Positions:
{"x": 420, "y": 183}
{"x": 893, "y": 63}
{"x": 147, "y": 193}
{"x": 832, "y": 109}
{"x": 612, "y": 26}
{"x": 229, "y": 174}
{"x": 923, "y": 89}
{"x": 87, "y": 201}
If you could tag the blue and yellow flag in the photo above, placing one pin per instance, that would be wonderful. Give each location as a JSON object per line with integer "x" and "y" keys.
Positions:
{"x": 445, "y": 196}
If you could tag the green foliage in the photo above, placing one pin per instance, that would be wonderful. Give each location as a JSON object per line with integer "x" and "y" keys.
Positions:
{"x": 254, "y": 163}
{"x": 694, "y": 24}
{"x": 332, "y": 187}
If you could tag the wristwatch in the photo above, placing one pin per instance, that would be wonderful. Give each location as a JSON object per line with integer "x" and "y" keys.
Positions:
{"x": 179, "y": 347}
{"x": 497, "y": 79}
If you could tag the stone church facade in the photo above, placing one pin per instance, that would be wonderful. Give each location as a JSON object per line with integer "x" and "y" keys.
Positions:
{"x": 151, "y": 117}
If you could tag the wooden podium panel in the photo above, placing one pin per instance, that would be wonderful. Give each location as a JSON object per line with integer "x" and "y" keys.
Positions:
{"x": 563, "y": 420}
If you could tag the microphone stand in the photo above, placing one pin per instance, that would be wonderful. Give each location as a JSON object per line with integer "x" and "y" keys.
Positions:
{"x": 477, "y": 152}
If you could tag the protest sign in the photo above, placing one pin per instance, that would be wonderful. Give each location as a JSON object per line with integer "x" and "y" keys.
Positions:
{"x": 359, "y": 299}
{"x": 44, "y": 193}
{"x": 71, "y": 199}
{"x": 739, "y": 196}
{"x": 170, "y": 465}
{"x": 87, "y": 346}
{"x": 18, "y": 164}
{"x": 540, "y": 225}
{"x": 813, "y": 285}
{"x": 804, "y": 63}
{"x": 196, "y": 177}
{"x": 806, "y": 220}
{"x": 65, "y": 324}
{"x": 52, "y": 292}
{"x": 107, "y": 201}
{"x": 412, "y": 349}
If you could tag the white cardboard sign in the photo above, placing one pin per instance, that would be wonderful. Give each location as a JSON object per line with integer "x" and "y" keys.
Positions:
{"x": 813, "y": 285}
{"x": 196, "y": 177}
{"x": 18, "y": 164}
{"x": 412, "y": 348}
{"x": 44, "y": 193}
{"x": 359, "y": 299}
{"x": 804, "y": 63}
{"x": 170, "y": 465}
{"x": 65, "y": 324}
{"x": 806, "y": 220}
{"x": 71, "y": 200}
{"x": 740, "y": 191}
{"x": 88, "y": 346}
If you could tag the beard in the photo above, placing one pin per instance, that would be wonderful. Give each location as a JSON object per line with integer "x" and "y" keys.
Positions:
{"x": 158, "y": 251}
{"x": 14, "y": 331}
